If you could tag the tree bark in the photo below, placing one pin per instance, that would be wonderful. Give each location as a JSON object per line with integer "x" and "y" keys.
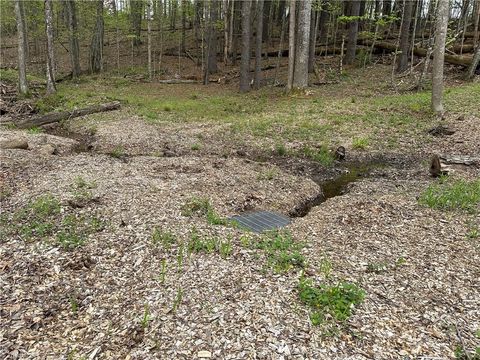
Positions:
{"x": 184, "y": 25}
{"x": 291, "y": 44}
{"x": 402, "y": 64}
{"x": 22, "y": 56}
{"x": 475, "y": 62}
{"x": 352, "y": 33}
{"x": 73, "y": 34}
{"x": 300, "y": 77}
{"x": 258, "y": 48}
{"x": 136, "y": 9}
{"x": 51, "y": 88}
{"x": 441, "y": 25}
{"x": 149, "y": 39}
{"x": 245, "y": 61}
{"x": 313, "y": 40}
{"x": 212, "y": 46}
{"x": 96, "y": 47}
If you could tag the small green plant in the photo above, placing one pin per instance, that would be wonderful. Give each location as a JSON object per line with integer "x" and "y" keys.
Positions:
{"x": 225, "y": 248}
{"x": 377, "y": 268}
{"x": 322, "y": 155}
{"x": 335, "y": 301}
{"x": 283, "y": 253}
{"x": 326, "y": 267}
{"x": 245, "y": 240}
{"x": 201, "y": 207}
{"x": 280, "y": 149}
{"x": 198, "y": 244}
{"x": 81, "y": 183}
{"x": 178, "y": 300}
{"x": 35, "y": 130}
{"x": 473, "y": 233}
{"x": 164, "y": 238}
{"x": 196, "y": 206}
{"x": 195, "y": 147}
{"x": 117, "y": 152}
{"x": 448, "y": 194}
{"x": 360, "y": 143}
{"x": 163, "y": 272}
{"x": 146, "y": 318}
{"x": 268, "y": 174}
{"x": 73, "y": 304}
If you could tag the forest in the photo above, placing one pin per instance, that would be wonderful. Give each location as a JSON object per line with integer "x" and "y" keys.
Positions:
{"x": 240, "y": 179}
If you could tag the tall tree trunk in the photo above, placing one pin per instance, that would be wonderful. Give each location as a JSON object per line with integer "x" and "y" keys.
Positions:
{"x": 313, "y": 40}
{"x": 136, "y": 10}
{"x": 476, "y": 33}
{"x": 246, "y": 34}
{"x": 267, "y": 6}
{"x": 149, "y": 39}
{"x": 352, "y": 32}
{"x": 402, "y": 64}
{"x": 117, "y": 34}
{"x": 73, "y": 34}
{"x": 258, "y": 48}
{"x": 184, "y": 25}
{"x": 475, "y": 62}
{"x": 22, "y": 56}
{"x": 226, "y": 31}
{"x": 212, "y": 46}
{"x": 50, "y": 48}
{"x": 300, "y": 76}
{"x": 96, "y": 47}
{"x": 237, "y": 10}
{"x": 441, "y": 25}
{"x": 291, "y": 44}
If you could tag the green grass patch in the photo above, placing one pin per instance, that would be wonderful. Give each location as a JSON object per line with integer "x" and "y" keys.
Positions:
{"x": 283, "y": 253}
{"x": 449, "y": 194}
{"x": 201, "y": 207}
{"x": 330, "y": 302}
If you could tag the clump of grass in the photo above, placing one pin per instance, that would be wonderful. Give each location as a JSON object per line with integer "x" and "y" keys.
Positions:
{"x": 178, "y": 300}
{"x": 42, "y": 219}
{"x": 268, "y": 174}
{"x": 198, "y": 244}
{"x": 202, "y": 207}
{"x": 163, "y": 237}
{"x": 225, "y": 248}
{"x": 118, "y": 152}
{"x": 35, "y": 130}
{"x": 451, "y": 195}
{"x": 49, "y": 103}
{"x": 283, "y": 253}
{"x": 195, "y": 147}
{"x": 280, "y": 149}
{"x": 360, "y": 143}
{"x": 81, "y": 190}
{"x": 335, "y": 302}
{"x": 322, "y": 155}
{"x": 146, "y": 318}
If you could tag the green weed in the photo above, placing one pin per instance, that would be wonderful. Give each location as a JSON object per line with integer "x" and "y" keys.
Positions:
{"x": 360, "y": 143}
{"x": 164, "y": 238}
{"x": 283, "y": 253}
{"x": 326, "y": 301}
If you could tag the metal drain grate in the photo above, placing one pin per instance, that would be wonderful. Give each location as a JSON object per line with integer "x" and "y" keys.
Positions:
{"x": 259, "y": 221}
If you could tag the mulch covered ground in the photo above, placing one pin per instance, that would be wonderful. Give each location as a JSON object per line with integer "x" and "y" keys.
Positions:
{"x": 121, "y": 295}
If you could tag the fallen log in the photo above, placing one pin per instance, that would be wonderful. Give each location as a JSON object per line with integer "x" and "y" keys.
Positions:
{"x": 177, "y": 81}
{"x": 451, "y": 59}
{"x": 39, "y": 120}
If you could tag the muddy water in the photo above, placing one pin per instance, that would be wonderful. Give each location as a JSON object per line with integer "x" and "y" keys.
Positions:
{"x": 336, "y": 186}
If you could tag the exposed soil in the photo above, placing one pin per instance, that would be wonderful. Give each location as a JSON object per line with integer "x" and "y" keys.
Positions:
{"x": 422, "y": 296}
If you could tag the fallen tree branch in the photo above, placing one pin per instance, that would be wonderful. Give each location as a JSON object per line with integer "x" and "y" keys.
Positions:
{"x": 39, "y": 120}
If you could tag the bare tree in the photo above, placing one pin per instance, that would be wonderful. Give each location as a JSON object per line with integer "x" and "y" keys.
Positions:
{"x": 291, "y": 44}
{"x": 96, "y": 47}
{"x": 246, "y": 33}
{"x": 258, "y": 48}
{"x": 136, "y": 9}
{"x": 22, "y": 51}
{"x": 212, "y": 46}
{"x": 71, "y": 13}
{"x": 149, "y": 38}
{"x": 352, "y": 32}
{"x": 50, "y": 49}
{"x": 402, "y": 64}
{"x": 475, "y": 62}
{"x": 441, "y": 25}
{"x": 302, "y": 45}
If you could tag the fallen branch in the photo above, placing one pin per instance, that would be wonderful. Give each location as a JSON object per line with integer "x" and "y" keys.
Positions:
{"x": 39, "y": 120}
{"x": 177, "y": 81}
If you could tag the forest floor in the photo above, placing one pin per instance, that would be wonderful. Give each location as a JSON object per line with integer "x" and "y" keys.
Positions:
{"x": 117, "y": 245}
